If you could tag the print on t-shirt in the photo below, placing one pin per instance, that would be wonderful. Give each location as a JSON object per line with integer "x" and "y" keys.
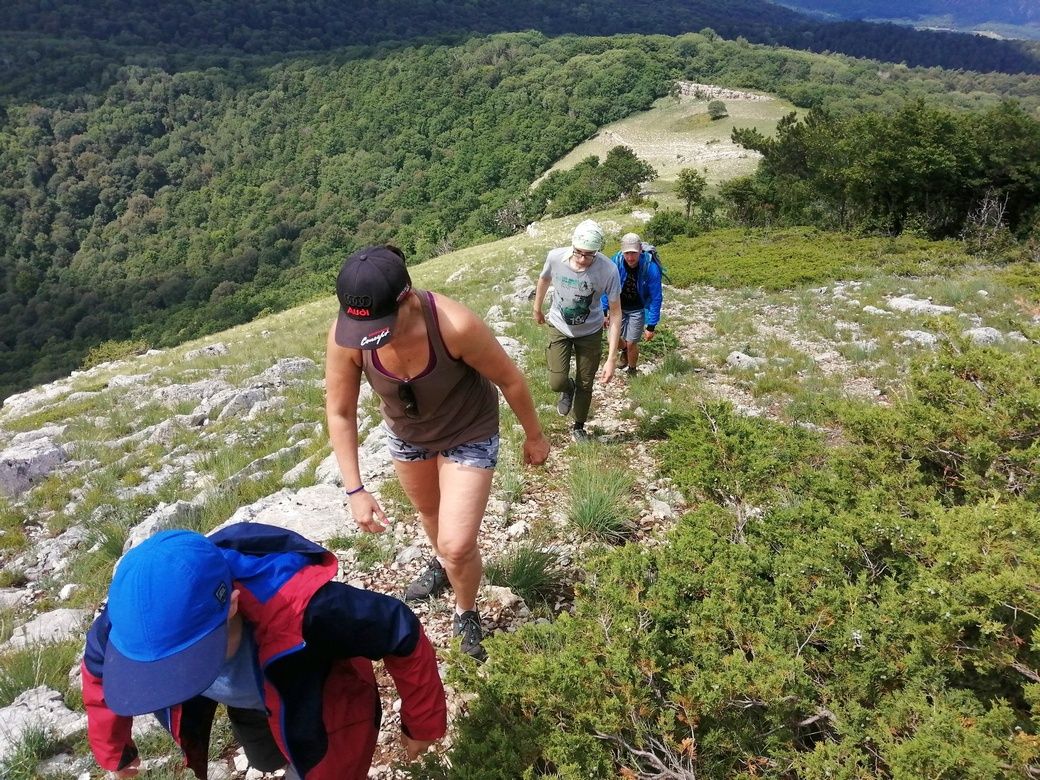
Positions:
{"x": 575, "y": 299}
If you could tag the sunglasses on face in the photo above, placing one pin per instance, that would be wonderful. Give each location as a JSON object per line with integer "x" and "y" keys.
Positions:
{"x": 406, "y": 395}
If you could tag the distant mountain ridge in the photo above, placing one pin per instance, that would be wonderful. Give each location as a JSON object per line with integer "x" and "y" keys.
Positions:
{"x": 961, "y": 12}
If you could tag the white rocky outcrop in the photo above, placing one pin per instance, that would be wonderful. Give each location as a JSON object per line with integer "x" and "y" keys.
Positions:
{"x": 715, "y": 92}
{"x": 284, "y": 371}
{"x": 57, "y": 626}
{"x": 912, "y": 305}
{"x": 921, "y": 338}
{"x": 210, "y": 350}
{"x": 165, "y": 516}
{"x": 23, "y": 403}
{"x": 52, "y": 556}
{"x": 176, "y": 394}
{"x": 984, "y": 337}
{"x": 38, "y": 708}
{"x": 318, "y": 512}
{"x": 23, "y": 465}
{"x": 742, "y": 362}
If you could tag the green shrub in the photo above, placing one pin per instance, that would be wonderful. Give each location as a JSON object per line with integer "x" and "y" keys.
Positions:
{"x": 108, "y": 351}
{"x": 795, "y": 257}
{"x": 1023, "y": 276}
{"x": 666, "y": 225}
{"x": 370, "y": 550}
{"x": 663, "y": 343}
{"x": 817, "y": 646}
{"x": 12, "y": 531}
{"x": 12, "y": 577}
{"x": 970, "y": 421}
{"x": 719, "y": 455}
{"x": 874, "y": 617}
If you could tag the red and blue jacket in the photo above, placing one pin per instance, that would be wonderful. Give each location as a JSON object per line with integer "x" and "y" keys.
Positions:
{"x": 316, "y": 641}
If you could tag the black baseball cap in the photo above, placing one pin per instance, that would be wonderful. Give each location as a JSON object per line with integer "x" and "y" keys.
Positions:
{"x": 371, "y": 285}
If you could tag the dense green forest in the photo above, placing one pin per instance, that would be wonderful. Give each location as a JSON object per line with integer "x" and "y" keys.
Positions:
{"x": 50, "y": 48}
{"x": 176, "y": 203}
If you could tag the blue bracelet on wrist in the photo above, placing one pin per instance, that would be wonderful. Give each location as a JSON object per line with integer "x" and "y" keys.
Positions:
{"x": 355, "y": 490}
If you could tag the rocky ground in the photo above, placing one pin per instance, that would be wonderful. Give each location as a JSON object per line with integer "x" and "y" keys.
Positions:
{"x": 50, "y": 452}
{"x": 167, "y": 430}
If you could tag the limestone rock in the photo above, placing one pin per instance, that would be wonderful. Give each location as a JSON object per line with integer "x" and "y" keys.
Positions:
{"x": 37, "y": 708}
{"x": 23, "y": 465}
{"x": 57, "y": 626}
{"x": 912, "y": 305}
{"x": 921, "y": 338}
{"x": 742, "y": 362}
{"x": 165, "y": 516}
{"x": 210, "y": 350}
{"x": 317, "y": 512}
{"x": 284, "y": 371}
{"x": 984, "y": 337}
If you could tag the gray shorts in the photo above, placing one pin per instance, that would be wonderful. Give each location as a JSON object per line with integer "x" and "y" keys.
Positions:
{"x": 482, "y": 454}
{"x": 632, "y": 324}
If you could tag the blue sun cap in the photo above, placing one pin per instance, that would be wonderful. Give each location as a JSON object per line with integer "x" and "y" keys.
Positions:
{"x": 168, "y": 605}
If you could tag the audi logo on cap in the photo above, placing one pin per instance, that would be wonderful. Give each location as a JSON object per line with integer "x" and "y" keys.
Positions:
{"x": 357, "y": 301}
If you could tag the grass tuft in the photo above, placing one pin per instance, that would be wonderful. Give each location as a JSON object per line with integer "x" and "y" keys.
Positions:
{"x": 37, "y": 665}
{"x": 530, "y": 572}
{"x": 35, "y": 745}
{"x": 600, "y": 502}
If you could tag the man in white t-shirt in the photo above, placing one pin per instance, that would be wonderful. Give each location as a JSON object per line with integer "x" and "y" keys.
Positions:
{"x": 580, "y": 276}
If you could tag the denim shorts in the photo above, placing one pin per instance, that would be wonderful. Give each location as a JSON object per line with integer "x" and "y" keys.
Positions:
{"x": 632, "y": 324}
{"x": 482, "y": 454}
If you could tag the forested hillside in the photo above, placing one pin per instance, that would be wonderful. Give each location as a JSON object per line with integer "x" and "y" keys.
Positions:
{"x": 176, "y": 203}
{"x": 70, "y": 45}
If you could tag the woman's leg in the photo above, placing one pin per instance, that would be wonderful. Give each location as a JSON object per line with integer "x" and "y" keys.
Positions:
{"x": 420, "y": 482}
{"x": 463, "y": 492}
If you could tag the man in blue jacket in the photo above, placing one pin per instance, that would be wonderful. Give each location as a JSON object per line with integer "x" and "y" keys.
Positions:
{"x": 640, "y": 298}
{"x": 252, "y": 618}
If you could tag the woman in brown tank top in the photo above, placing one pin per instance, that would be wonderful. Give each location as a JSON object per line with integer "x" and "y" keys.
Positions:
{"x": 434, "y": 365}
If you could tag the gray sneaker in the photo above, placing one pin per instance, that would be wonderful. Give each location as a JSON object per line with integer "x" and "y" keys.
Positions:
{"x": 431, "y": 582}
{"x": 467, "y": 625}
{"x": 563, "y": 405}
{"x": 580, "y": 434}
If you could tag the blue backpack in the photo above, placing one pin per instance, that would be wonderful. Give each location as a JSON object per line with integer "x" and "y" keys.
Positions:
{"x": 656, "y": 258}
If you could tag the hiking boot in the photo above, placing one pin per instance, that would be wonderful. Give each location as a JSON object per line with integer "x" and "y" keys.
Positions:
{"x": 631, "y": 370}
{"x": 563, "y": 406}
{"x": 579, "y": 434}
{"x": 430, "y": 583}
{"x": 467, "y": 625}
